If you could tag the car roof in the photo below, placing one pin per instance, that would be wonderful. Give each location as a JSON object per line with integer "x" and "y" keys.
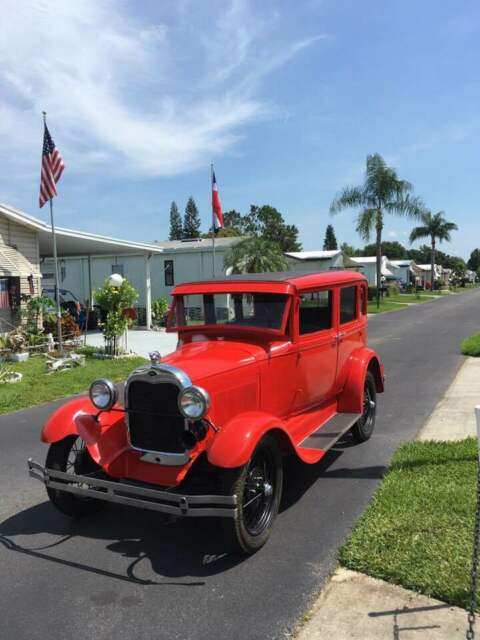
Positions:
{"x": 291, "y": 280}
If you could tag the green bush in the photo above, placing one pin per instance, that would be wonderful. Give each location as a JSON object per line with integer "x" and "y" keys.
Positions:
{"x": 114, "y": 301}
{"x": 372, "y": 293}
{"x": 159, "y": 311}
{"x": 392, "y": 290}
{"x": 471, "y": 345}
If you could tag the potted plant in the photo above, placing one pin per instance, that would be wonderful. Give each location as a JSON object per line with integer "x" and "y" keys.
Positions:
{"x": 16, "y": 342}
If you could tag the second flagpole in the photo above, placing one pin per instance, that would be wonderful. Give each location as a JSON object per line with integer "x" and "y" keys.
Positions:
{"x": 213, "y": 222}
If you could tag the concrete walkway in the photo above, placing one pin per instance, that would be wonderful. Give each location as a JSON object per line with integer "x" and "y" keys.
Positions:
{"x": 141, "y": 342}
{"x": 372, "y": 609}
{"x": 355, "y": 606}
{"x": 454, "y": 417}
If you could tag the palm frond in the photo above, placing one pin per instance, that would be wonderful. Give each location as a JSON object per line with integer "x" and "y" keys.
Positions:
{"x": 366, "y": 222}
{"x": 419, "y": 232}
{"x": 349, "y": 197}
{"x": 406, "y": 205}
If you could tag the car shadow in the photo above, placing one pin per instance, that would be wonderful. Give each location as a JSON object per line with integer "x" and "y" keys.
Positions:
{"x": 181, "y": 552}
{"x": 176, "y": 549}
{"x": 299, "y": 477}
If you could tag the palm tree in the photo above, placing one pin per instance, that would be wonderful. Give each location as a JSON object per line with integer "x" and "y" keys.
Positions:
{"x": 255, "y": 255}
{"x": 434, "y": 226}
{"x": 382, "y": 192}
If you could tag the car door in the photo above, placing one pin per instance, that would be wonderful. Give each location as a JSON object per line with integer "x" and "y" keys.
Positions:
{"x": 317, "y": 348}
{"x": 352, "y": 326}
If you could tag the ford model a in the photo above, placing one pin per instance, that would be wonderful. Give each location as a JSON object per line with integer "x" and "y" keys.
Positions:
{"x": 266, "y": 365}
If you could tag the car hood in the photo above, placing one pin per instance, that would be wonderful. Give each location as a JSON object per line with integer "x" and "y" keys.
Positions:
{"x": 200, "y": 360}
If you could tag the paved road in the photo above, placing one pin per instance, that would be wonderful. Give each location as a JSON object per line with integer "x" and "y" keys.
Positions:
{"x": 127, "y": 575}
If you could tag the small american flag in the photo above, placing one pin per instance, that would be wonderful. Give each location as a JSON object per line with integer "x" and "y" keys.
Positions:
{"x": 4, "y": 297}
{"x": 52, "y": 168}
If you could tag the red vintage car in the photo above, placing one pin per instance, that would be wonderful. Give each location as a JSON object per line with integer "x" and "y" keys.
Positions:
{"x": 266, "y": 365}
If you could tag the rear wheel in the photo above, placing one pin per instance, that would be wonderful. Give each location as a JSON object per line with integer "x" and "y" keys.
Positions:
{"x": 258, "y": 487}
{"x": 363, "y": 429}
{"x": 71, "y": 456}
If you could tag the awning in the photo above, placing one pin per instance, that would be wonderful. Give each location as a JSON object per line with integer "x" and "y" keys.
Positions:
{"x": 14, "y": 264}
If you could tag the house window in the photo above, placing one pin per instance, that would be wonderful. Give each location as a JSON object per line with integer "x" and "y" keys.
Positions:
{"x": 118, "y": 268}
{"x": 168, "y": 270}
{"x": 348, "y": 304}
{"x": 315, "y": 313}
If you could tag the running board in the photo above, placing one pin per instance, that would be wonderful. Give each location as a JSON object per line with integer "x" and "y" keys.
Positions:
{"x": 327, "y": 435}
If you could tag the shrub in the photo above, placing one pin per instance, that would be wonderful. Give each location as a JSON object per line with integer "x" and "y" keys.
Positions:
{"x": 113, "y": 301}
{"x": 471, "y": 345}
{"x": 159, "y": 311}
{"x": 392, "y": 290}
{"x": 70, "y": 328}
{"x": 372, "y": 293}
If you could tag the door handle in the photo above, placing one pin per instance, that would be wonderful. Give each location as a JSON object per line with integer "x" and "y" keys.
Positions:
{"x": 341, "y": 335}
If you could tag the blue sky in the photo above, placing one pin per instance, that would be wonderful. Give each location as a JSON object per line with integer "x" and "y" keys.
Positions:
{"x": 286, "y": 98}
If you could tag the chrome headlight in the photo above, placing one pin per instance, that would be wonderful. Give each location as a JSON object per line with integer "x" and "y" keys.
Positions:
{"x": 193, "y": 403}
{"x": 103, "y": 394}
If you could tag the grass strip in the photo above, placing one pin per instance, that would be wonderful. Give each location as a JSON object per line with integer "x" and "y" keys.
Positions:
{"x": 418, "y": 529}
{"x": 385, "y": 306}
{"x": 471, "y": 346}
{"x": 37, "y": 387}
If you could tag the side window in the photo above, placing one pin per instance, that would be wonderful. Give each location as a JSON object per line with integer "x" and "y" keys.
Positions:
{"x": 363, "y": 301}
{"x": 168, "y": 271}
{"x": 315, "y": 313}
{"x": 348, "y": 304}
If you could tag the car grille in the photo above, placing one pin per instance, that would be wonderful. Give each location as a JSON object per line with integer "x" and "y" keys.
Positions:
{"x": 154, "y": 421}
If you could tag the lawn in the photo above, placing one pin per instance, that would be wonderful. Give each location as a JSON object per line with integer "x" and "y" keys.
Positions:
{"x": 37, "y": 387}
{"x": 471, "y": 346}
{"x": 385, "y": 305}
{"x": 417, "y": 531}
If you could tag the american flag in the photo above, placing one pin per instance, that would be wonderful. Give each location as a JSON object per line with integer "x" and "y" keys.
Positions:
{"x": 4, "y": 297}
{"x": 52, "y": 168}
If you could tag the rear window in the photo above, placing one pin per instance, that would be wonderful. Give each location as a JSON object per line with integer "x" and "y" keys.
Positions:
{"x": 348, "y": 304}
{"x": 260, "y": 310}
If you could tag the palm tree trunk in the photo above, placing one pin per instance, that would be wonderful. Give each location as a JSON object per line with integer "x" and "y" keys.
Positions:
{"x": 378, "y": 265}
{"x": 432, "y": 266}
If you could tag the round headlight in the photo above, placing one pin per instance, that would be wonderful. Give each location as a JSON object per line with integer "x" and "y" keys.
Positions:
{"x": 103, "y": 394}
{"x": 193, "y": 403}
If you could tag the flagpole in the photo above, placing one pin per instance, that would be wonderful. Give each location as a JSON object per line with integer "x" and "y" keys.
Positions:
{"x": 213, "y": 221}
{"x": 55, "y": 260}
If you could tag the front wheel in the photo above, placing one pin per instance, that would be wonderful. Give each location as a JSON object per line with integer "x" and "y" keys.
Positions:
{"x": 363, "y": 429}
{"x": 71, "y": 456}
{"x": 258, "y": 487}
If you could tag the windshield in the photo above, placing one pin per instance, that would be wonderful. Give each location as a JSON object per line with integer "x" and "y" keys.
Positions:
{"x": 261, "y": 310}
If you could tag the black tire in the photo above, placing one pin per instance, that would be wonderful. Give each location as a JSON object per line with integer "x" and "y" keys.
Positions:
{"x": 363, "y": 429}
{"x": 259, "y": 480}
{"x": 70, "y": 454}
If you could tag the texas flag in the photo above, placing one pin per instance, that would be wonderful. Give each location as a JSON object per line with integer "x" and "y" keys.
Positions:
{"x": 216, "y": 206}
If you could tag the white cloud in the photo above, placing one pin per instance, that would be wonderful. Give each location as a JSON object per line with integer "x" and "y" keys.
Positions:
{"x": 145, "y": 95}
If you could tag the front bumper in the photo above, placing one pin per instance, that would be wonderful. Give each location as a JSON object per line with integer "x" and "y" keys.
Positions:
{"x": 135, "y": 495}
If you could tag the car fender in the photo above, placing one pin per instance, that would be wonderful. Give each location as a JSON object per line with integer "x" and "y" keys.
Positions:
{"x": 361, "y": 360}
{"x": 235, "y": 442}
{"x": 105, "y": 436}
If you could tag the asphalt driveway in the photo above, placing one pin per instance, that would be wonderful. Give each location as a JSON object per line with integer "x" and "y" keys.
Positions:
{"x": 129, "y": 574}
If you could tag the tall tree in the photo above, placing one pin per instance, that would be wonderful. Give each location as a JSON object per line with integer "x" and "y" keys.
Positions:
{"x": 474, "y": 260}
{"x": 349, "y": 250}
{"x": 255, "y": 255}
{"x": 382, "y": 192}
{"x": 330, "y": 242}
{"x": 176, "y": 227}
{"x": 436, "y": 227}
{"x": 392, "y": 249}
{"x": 191, "y": 220}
